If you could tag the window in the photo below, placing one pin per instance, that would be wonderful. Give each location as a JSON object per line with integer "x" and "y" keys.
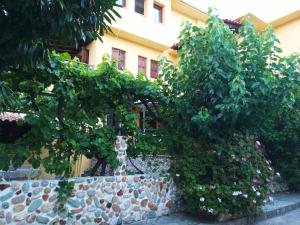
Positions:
{"x": 142, "y": 65}
{"x": 119, "y": 55}
{"x": 140, "y": 6}
{"x": 157, "y": 13}
{"x": 121, "y": 3}
{"x": 154, "y": 69}
{"x": 145, "y": 121}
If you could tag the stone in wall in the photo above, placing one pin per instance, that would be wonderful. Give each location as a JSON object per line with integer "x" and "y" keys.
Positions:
{"x": 96, "y": 199}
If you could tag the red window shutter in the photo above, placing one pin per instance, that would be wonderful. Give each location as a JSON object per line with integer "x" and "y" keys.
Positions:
{"x": 154, "y": 69}
{"x": 158, "y": 13}
{"x": 121, "y": 65}
{"x": 120, "y": 56}
{"x": 115, "y": 53}
{"x": 142, "y": 64}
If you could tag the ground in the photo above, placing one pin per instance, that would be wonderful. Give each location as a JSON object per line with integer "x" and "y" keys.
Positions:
{"x": 291, "y": 218}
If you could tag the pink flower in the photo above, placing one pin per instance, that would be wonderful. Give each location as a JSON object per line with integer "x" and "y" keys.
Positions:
{"x": 255, "y": 181}
{"x": 212, "y": 187}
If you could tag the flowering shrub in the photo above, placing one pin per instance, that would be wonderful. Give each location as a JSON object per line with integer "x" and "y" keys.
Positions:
{"x": 229, "y": 178}
{"x": 225, "y": 86}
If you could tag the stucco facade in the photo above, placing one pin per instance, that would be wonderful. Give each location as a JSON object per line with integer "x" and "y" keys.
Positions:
{"x": 287, "y": 30}
{"x": 289, "y": 36}
{"x": 141, "y": 35}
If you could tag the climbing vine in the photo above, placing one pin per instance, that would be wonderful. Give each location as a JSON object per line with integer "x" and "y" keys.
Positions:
{"x": 68, "y": 105}
{"x": 64, "y": 191}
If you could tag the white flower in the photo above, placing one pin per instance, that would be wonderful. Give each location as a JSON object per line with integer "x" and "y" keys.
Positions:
{"x": 245, "y": 195}
{"x": 265, "y": 201}
{"x": 210, "y": 210}
{"x": 220, "y": 200}
{"x": 254, "y": 201}
{"x": 258, "y": 171}
{"x": 253, "y": 188}
{"x": 202, "y": 199}
{"x": 271, "y": 199}
{"x": 177, "y": 175}
{"x": 258, "y": 193}
{"x": 270, "y": 168}
{"x": 278, "y": 174}
{"x": 236, "y": 193}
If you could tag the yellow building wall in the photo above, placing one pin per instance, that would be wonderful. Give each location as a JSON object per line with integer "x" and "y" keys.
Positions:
{"x": 43, "y": 173}
{"x": 79, "y": 168}
{"x": 132, "y": 49}
{"x": 178, "y": 19}
{"x": 140, "y": 35}
{"x": 143, "y": 25}
{"x": 289, "y": 37}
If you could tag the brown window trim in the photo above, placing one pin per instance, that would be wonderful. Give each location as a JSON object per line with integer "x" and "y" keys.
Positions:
{"x": 145, "y": 69}
{"x": 152, "y": 62}
{"x": 160, "y": 8}
{"x": 121, "y": 63}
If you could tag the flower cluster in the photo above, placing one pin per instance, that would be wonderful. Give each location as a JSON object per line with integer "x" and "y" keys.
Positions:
{"x": 240, "y": 182}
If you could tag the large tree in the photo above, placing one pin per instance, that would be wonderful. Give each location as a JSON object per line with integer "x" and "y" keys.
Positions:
{"x": 214, "y": 104}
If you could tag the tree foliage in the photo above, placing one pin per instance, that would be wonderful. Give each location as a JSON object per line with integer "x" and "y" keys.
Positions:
{"x": 66, "y": 104}
{"x": 29, "y": 27}
{"x": 223, "y": 94}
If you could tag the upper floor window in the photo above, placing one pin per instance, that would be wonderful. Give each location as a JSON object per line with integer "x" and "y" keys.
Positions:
{"x": 139, "y": 6}
{"x": 157, "y": 13}
{"x": 142, "y": 64}
{"x": 154, "y": 69}
{"x": 120, "y": 56}
{"x": 121, "y": 3}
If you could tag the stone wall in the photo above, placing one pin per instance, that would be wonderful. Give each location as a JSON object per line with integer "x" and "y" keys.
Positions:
{"x": 149, "y": 164}
{"x": 96, "y": 200}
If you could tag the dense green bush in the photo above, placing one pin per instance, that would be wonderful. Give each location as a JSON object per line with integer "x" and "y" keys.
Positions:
{"x": 282, "y": 142}
{"x": 232, "y": 177}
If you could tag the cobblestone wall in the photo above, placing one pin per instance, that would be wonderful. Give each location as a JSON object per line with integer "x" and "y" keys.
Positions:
{"x": 95, "y": 200}
{"x": 150, "y": 164}
{"x": 111, "y": 200}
